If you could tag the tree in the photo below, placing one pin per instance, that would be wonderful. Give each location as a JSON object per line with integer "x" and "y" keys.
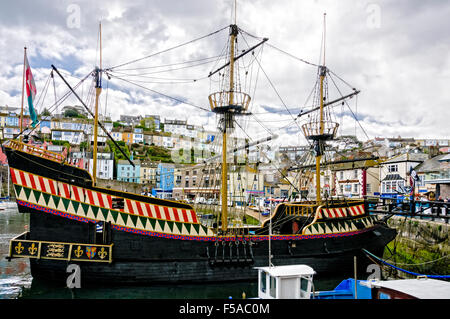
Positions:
{"x": 45, "y": 112}
{"x": 71, "y": 113}
{"x": 83, "y": 145}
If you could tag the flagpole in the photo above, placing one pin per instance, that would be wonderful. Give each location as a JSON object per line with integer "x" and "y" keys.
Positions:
{"x": 23, "y": 85}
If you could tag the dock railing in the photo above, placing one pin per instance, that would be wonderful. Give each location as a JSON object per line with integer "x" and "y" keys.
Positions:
{"x": 421, "y": 209}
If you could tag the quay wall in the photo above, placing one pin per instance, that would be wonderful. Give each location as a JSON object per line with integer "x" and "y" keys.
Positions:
{"x": 422, "y": 246}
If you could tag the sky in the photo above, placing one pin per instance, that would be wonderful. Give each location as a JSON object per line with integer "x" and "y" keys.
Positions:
{"x": 395, "y": 52}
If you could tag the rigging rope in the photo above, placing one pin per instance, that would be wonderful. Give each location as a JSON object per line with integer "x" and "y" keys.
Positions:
{"x": 403, "y": 270}
{"x": 165, "y": 95}
{"x": 166, "y": 50}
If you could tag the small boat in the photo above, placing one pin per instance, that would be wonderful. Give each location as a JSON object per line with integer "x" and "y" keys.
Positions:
{"x": 283, "y": 282}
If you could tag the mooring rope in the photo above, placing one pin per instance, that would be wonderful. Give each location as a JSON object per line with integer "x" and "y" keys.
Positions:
{"x": 406, "y": 271}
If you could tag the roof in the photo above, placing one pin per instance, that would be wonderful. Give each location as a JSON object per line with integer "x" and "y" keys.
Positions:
{"x": 423, "y": 288}
{"x": 288, "y": 271}
{"x": 434, "y": 164}
{"x": 126, "y": 162}
{"x": 393, "y": 177}
{"x": 408, "y": 157}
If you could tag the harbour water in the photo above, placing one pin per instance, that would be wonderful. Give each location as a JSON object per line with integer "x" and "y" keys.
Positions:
{"x": 16, "y": 281}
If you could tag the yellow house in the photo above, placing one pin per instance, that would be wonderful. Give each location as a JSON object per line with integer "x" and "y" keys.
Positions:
{"x": 127, "y": 136}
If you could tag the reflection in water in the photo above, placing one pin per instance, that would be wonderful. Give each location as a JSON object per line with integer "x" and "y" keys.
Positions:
{"x": 14, "y": 274}
{"x": 16, "y": 280}
{"x": 41, "y": 289}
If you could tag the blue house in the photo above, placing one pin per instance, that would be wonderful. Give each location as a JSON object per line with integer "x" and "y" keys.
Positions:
{"x": 164, "y": 180}
{"x": 127, "y": 173}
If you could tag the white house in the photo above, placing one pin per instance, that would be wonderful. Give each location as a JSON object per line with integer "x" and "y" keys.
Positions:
{"x": 394, "y": 173}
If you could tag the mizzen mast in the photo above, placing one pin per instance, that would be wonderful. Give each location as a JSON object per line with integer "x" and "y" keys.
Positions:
{"x": 98, "y": 91}
{"x": 320, "y": 128}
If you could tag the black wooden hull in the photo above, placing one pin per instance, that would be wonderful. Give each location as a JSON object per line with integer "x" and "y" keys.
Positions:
{"x": 144, "y": 260}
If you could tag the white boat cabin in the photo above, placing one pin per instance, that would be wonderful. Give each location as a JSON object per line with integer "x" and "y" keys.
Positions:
{"x": 285, "y": 282}
{"x": 420, "y": 288}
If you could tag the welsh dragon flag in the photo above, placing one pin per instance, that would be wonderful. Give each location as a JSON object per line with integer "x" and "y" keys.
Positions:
{"x": 31, "y": 92}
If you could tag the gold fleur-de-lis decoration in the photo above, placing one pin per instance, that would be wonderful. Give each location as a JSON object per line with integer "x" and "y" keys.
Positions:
{"x": 19, "y": 248}
{"x": 102, "y": 253}
{"x": 32, "y": 250}
{"x": 78, "y": 252}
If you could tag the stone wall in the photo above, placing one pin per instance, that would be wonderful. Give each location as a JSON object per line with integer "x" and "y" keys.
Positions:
{"x": 124, "y": 186}
{"x": 422, "y": 246}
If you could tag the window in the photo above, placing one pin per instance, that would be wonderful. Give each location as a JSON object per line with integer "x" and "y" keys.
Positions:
{"x": 263, "y": 281}
{"x": 273, "y": 286}
{"x": 355, "y": 188}
{"x": 303, "y": 287}
{"x": 392, "y": 168}
{"x": 355, "y": 173}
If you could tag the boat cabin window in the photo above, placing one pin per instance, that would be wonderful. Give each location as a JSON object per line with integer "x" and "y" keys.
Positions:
{"x": 263, "y": 281}
{"x": 273, "y": 287}
{"x": 304, "y": 289}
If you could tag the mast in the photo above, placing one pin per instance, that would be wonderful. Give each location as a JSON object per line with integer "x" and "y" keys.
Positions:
{"x": 322, "y": 128}
{"x": 98, "y": 91}
{"x": 228, "y": 103}
{"x": 226, "y": 124}
{"x": 322, "y": 73}
{"x": 23, "y": 87}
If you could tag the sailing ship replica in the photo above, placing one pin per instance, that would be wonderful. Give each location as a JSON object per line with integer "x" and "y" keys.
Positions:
{"x": 120, "y": 237}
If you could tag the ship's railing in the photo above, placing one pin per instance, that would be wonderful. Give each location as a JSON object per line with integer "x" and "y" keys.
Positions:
{"x": 34, "y": 150}
{"x": 300, "y": 209}
{"x": 22, "y": 247}
{"x": 309, "y": 209}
